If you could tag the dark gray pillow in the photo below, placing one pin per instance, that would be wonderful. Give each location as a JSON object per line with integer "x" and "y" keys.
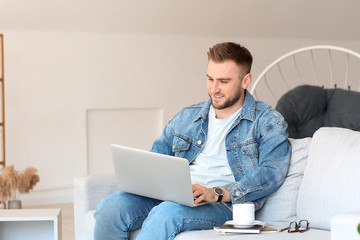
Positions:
{"x": 343, "y": 109}
{"x": 307, "y": 108}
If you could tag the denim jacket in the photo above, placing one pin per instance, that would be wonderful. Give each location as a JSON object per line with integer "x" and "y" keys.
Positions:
{"x": 256, "y": 144}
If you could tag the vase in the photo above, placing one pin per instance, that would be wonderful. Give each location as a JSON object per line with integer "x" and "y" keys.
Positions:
{"x": 14, "y": 204}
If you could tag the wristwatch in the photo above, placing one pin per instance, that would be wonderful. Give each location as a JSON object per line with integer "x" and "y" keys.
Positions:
{"x": 220, "y": 192}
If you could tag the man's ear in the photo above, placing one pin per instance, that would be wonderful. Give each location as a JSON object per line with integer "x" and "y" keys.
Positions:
{"x": 246, "y": 81}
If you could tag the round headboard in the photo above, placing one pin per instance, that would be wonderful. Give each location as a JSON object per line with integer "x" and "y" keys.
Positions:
{"x": 322, "y": 65}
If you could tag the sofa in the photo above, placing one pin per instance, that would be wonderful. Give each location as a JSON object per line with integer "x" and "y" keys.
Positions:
{"x": 322, "y": 186}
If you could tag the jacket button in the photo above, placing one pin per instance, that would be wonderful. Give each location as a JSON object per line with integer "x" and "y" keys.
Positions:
{"x": 199, "y": 142}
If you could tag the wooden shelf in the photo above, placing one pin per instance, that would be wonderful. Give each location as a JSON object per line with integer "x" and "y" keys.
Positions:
{"x": 2, "y": 106}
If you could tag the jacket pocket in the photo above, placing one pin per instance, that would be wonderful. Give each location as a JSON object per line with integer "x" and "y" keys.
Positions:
{"x": 180, "y": 146}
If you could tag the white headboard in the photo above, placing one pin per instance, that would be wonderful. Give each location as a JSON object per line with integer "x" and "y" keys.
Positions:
{"x": 322, "y": 65}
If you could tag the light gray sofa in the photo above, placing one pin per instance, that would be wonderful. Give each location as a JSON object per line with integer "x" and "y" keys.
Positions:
{"x": 322, "y": 186}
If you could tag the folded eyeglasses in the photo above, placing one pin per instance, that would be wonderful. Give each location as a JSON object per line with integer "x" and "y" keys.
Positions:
{"x": 300, "y": 227}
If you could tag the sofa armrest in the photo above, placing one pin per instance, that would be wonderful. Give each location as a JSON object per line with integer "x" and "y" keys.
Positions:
{"x": 345, "y": 226}
{"x": 88, "y": 192}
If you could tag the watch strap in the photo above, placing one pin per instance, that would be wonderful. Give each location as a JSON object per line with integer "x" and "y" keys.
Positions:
{"x": 219, "y": 198}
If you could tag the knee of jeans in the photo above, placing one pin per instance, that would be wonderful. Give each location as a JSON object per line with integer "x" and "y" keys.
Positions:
{"x": 105, "y": 209}
{"x": 167, "y": 212}
{"x": 110, "y": 210}
{"x": 109, "y": 223}
{"x": 120, "y": 208}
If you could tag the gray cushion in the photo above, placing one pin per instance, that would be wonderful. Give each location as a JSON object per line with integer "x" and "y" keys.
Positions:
{"x": 342, "y": 109}
{"x": 280, "y": 207}
{"x": 307, "y": 108}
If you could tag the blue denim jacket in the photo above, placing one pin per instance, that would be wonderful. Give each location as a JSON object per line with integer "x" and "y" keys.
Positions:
{"x": 257, "y": 146}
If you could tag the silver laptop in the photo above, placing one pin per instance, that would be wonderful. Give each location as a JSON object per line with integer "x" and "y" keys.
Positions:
{"x": 153, "y": 175}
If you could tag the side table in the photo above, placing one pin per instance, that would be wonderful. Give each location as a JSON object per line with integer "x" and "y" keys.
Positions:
{"x": 30, "y": 224}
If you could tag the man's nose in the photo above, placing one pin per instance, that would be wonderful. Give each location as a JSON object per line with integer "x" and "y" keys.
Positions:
{"x": 216, "y": 87}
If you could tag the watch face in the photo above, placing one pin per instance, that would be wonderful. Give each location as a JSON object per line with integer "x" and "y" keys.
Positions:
{"x": 218, "y": 191}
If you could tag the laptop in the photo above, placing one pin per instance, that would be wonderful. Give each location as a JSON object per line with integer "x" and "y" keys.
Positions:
{"x": 153, "y": 175}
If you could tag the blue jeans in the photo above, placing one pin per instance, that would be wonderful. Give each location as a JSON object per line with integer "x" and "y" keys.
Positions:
{"x": 122, "y": 212}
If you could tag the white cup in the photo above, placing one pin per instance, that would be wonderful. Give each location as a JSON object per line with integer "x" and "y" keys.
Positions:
{"x": 243, "y": 213}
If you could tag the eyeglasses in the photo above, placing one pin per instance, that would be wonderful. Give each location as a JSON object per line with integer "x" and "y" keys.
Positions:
{"x": 301, "y": 227}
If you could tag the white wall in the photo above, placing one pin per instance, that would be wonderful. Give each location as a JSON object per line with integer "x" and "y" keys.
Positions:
{"x": 53, "y": 78}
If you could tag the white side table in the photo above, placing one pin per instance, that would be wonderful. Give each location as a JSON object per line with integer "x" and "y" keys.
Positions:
{"x": 30, "y": 224}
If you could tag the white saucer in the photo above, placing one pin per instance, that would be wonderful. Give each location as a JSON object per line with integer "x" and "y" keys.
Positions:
{"x": 231, "y": 222}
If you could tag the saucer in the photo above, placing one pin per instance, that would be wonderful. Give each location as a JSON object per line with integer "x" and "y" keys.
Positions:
{"x": 231, "y": 222}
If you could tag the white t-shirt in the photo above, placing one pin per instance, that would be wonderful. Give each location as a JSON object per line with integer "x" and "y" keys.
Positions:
{"x": 211, "y": 167}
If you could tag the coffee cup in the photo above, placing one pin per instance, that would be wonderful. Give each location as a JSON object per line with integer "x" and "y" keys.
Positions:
{"x": 243, "y": 213}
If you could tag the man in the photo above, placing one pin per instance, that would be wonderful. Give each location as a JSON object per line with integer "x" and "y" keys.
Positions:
{"x": 237, "y": 149}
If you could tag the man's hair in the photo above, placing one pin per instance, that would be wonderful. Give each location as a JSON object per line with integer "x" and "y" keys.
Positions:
{"x": 231, "y": 51}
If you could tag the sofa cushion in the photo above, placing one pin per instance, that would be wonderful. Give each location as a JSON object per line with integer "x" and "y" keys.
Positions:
{"x": 89, "y": 224}
{"x": 331, "y": 181}
{"x": 280, "y": 207}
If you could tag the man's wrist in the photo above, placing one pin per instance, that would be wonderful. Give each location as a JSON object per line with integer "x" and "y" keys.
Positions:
{"x": 219, "y": 192}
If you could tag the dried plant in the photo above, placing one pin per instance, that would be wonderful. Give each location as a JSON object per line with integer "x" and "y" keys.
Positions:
{"x": 13, "y": 183}
{"x": 11, "y": 176}
{"x": 27, "y": 180}
{"x": 4, "y": 191}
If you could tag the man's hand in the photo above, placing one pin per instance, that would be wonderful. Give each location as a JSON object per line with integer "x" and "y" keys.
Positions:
{"x": 203, "y": 194}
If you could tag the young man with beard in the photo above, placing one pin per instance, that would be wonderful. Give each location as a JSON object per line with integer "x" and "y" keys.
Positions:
{"x": 237, "y": 149}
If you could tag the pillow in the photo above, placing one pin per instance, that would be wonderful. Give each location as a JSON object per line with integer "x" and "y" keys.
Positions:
{"x": 340, "y": 109}
{"x": 331, "y": 182}
{"x": 303, "y": 108}
{"x": 307, "y": 108}
{"x": 280, "y": 207}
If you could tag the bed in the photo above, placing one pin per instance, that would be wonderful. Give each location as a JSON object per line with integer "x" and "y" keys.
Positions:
{"x": 313, "y": 87}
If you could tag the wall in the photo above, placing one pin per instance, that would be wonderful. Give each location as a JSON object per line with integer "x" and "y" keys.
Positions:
{"x": 53, "y": 80}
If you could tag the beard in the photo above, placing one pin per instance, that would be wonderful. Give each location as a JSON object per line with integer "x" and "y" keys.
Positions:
{"x": 231, "y": 100}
